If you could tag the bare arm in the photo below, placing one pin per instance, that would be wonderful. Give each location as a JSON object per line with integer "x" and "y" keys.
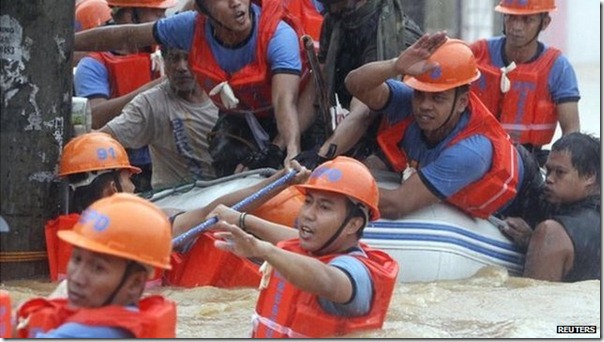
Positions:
{"x": 568, "y": 116}
{"x": 191, "y": 218}
{"x": 308, "y": 274}
{"x": 285, "y": 99}
{"x": 103, "y": 110}
{"x": 263, "y": 229}
{"x": 411, "y": 195}
{"x": 367, "y": 82}
{"x": 551, "y": 253}
{"x": 115, "y": 37}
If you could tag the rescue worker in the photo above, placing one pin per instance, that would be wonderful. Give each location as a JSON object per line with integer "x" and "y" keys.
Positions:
{"x": 116, "y": 244}
{"x": 324, "y": 283}
{"x": 566, "y": 242}
{"x": 95, "y": 166}
{"x": 89, "y": 14}
{"x": 456, "y": 150}
{"x": 354, "y": 32}
{"x": 242, "y": 55}
{"x": 112, "y": 78}
{"x": 527, "y": 85}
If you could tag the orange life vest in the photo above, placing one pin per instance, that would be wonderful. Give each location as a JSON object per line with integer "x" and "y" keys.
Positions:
{"x": 58, "y": 250}
{"x": 156, "y": 317}
{"x": 486, "y": 195}
{"x": 204, "y": 264}
{"x": 252, "y": 83}
{"x": 6, "y": 326}
{"x": 126, "y": 73}
{"x": 285, "y": 311}
{"x": 527, "y": 111}
{"x": 311, "y": 20}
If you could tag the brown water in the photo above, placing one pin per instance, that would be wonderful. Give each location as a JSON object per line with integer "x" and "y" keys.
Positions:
{"x": 489, "y": 305}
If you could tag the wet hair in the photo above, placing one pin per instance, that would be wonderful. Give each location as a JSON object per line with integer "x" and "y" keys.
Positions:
{"x": 84, "y": 196}
{"x": 584, "y": 152}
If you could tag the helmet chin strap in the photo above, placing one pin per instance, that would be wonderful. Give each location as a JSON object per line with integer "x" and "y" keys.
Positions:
{"x": 335, "y": 235}
{"x": 111, "y": 297}
{"x": 536, "y": 34}
{"x": 452, "y": 109}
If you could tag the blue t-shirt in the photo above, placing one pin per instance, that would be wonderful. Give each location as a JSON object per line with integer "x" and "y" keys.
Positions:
{"x": 562, "y": 80}
{"x": 77, "y": 330}
{"x": 359, "y": 275}
{"x": 444, "y": 169}
{"x": 283, "y": 54}
{"x": 91, "y": 79}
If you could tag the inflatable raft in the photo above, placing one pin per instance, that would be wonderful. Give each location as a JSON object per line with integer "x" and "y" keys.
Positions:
{"x": 436, "y": 243}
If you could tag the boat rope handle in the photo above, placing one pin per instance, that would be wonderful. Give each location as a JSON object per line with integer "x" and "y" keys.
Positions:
{"x": 182, "y": 238}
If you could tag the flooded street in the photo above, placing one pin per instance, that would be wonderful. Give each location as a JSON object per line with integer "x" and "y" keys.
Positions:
{"x": 488, "y": 305}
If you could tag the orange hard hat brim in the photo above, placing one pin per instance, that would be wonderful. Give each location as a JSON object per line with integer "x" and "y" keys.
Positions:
{"x": 513, "y": 11}
{"x": 78, "y": 240}
{"x": 375, "y": 213}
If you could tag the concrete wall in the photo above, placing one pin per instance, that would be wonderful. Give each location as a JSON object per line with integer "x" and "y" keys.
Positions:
{"x": 575, "y": 29}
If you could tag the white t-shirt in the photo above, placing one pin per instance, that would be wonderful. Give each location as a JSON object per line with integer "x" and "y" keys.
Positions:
{"x": 175, "y": 130}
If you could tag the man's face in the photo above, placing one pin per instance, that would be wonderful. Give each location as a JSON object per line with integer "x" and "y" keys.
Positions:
{"x": 92, "y": 277}
{"x": 521, "y": 29}
{"x": 563, "y": 184}
{"x": 233, "y": 14}
{"x": 431, "y": 110}
{"x": 320, "y": 217}
{"x": 178, "y": 72}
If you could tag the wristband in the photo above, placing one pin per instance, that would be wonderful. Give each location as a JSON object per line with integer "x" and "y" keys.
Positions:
{"x": 242, "y": 221}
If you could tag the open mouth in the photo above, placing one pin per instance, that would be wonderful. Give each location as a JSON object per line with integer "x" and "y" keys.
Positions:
{"x": 305, "y": 232}
{"x": 240, "y": 17}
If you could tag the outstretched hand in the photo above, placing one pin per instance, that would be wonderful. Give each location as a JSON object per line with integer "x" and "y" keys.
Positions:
{"x": 414, "y": 60}
{"x": 233, "y": 239}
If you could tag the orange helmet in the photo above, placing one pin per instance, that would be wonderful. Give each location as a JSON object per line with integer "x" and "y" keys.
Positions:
{"x": 94, "y": 151}
{"x": 525, "y": 7}
{"x": 142, "y": 3}
{"x": 456, "y": 67}
{"x": 283, "y": 208}
{"x": 126, "y": 226}
{"x": 91, "y": 13}
{"x": 349, "y": 177}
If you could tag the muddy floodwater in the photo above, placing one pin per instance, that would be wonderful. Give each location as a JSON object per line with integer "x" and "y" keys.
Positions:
{"x": 491, "y": 304}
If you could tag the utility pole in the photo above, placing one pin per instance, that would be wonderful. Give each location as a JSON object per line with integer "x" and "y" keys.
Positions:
{"x": 36, "y": 43}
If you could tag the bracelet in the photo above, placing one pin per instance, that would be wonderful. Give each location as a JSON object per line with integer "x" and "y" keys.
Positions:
{"x": 242, "y": 221}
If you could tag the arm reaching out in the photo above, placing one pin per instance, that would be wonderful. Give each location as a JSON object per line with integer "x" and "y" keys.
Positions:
{"x": 127, "y": 37}
{"x": 367, "y": 82}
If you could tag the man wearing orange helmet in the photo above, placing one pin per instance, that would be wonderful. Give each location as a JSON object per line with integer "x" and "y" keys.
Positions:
{"x": 441, "y": 130}
{"x": 91, "y": 13}
{"x": 113, "y": 78}
{"x": 246, "y": 56}
{"x": 323, "y": 282}
{"x": 116, "y": 245}
{"x": 95, "y": 166}
{"x": 527, "y": 85}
